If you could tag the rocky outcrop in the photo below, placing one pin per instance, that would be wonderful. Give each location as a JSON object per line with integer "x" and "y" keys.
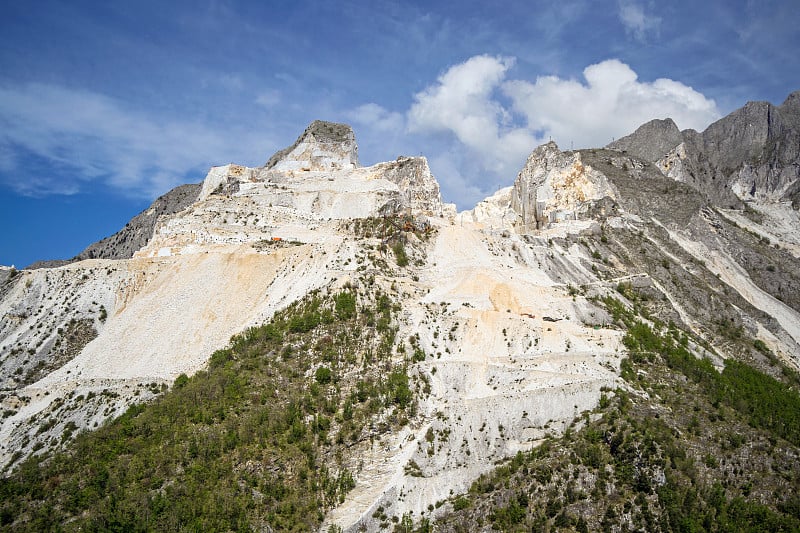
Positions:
{"x": 225, "y": 180}
{"x": 555, "y": 186}
{"x": 322, "y": 146}
{"x": 419, "y": 190}
{"x": 751, "y": 154}
{"x": 651, "y": 140}
{"x": 319, "y": 175}
{"x": 494, "y": 211}
{"x": 136, "y": 233}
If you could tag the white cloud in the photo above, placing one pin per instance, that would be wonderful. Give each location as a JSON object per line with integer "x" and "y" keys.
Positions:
{"x": 493, "y": 123}
{"x": 637, "y": 23}
{"x": 91, "y": 137}
{"x": 463, "y": 103}
{"x": 611, "y": 103}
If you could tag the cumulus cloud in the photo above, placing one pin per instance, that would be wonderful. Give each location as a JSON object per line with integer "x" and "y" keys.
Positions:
{"x": 637, "y": 23}
{"x": 493, "y": 122}
{"x": 612, "y": 102}
{"x": 464, "y": 103}
{"x": 90, "y": 137}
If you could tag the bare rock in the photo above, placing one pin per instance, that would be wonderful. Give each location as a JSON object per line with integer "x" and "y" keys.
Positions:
{"x": 322, "y": 146}
{"x": 651, "y": 141}
{"x": 751, "y": 154}
{"x": 555, "y": 186}
{"x": 419, "y": 190}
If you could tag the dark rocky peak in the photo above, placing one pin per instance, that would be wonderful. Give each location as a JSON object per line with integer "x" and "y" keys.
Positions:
{"x": 651, "y": 140}
{"x": 752, "y": 153}
{"x": 790, "y": 110}
{"x": 741, "y": 135}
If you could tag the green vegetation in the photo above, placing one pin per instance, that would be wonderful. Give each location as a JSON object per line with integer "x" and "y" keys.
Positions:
{"x": 765, "y": 402}
{"x": 345, "y": 305}
{"x": 263, "y": 439}
{"x": 399, "y": 250}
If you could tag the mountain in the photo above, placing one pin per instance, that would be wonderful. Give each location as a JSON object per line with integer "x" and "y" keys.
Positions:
{"x": 611, "y": 342}
{"x": 753, "y": 153}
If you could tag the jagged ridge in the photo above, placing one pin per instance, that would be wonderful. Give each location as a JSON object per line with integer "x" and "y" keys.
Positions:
{"x": 751, "y": 153}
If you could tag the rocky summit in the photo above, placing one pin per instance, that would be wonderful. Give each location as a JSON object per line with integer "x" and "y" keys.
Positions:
{"x": 314, "y": 344}
{"x": 751, "y": 154}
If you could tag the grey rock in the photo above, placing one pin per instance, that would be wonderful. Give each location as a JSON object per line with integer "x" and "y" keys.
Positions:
{"x": 136, "y": 233}
{"x": 651, "y": 140}
{"x": 753, "y": 153}
{"x": 418, "y": 188}
{"x": 329, "y": 142}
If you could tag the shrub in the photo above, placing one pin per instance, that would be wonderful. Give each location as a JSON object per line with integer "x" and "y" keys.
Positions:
{"x": 400, "y": 254}
{"x": 323, "y": 375}
{"x": 345, "y": 304}
{"x": 181, "y": 381}
{"x": 460, "y": 503}
{"x": 399, "y": 391}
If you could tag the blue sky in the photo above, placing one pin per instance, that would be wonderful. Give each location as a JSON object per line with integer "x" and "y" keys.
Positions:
{"x": 106, "y": 105}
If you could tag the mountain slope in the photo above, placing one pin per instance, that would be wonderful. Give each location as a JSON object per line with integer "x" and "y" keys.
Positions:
{"x": 510, "y": 321}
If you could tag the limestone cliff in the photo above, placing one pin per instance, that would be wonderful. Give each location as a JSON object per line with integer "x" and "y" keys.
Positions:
{"x": 554, "y": 186}
{"x": 419, "y": 190}
{"x": 319, "y": 175}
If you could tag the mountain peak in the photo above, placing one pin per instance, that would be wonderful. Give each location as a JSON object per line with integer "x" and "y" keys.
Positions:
{"x": 651, "y": 140}
{"x": 790, "y": 109}
{"x": 323, "y": 146}
{"x": 792, "y": 100}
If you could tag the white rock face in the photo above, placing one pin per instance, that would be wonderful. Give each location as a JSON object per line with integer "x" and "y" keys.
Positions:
{"x": 419, "y": 189}
{"x": 225, "y": 179}
{"x": 503, "y": 379}
{"x": 323, "y": 146}
{"x": 320, "y": 178}
{"x": 494, "y": 211}
{"x": 674, "y": 164}
{"x": 554, "y": 186}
